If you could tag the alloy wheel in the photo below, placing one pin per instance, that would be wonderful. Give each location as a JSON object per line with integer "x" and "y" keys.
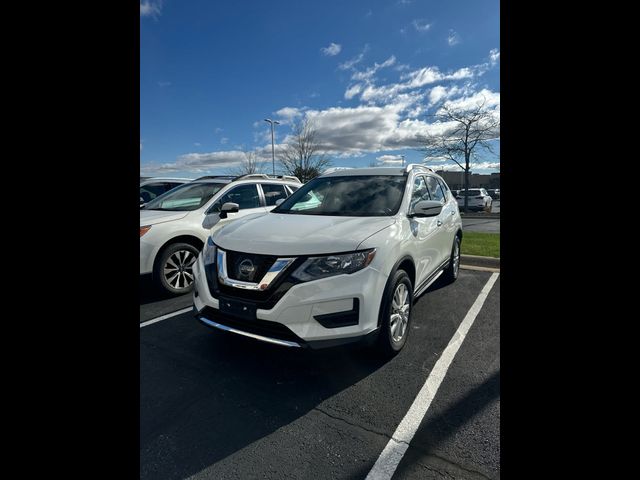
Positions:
{"x": 178, "y": 270}
{"x": 399, "y": 312}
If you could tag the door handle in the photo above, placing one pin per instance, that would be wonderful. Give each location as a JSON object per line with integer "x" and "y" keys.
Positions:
{"x": 439, "y": 222}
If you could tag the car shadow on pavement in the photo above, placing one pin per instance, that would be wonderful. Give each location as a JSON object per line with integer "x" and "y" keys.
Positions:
{"x": 227, "y": 392}
{"x": 150, "y": 293}
{"x": 444, "y": 426}
{"x": 437, "y": 285}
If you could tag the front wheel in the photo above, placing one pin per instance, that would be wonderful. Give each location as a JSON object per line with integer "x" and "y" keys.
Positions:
{"x": 396, "y": 314}
{"x": 451, "y": 272}
{"x": 173, "y": 272}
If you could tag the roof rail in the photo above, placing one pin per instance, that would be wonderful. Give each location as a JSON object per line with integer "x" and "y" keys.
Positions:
{"x": 414, "y": 166}
{"x": 264, "y": 175}
{"x": 208, "y": 177}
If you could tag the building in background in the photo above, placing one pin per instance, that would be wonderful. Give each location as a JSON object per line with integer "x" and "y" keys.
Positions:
{"x": 455, "y": 180}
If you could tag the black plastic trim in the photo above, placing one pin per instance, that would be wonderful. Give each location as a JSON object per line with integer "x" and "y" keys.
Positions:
{"x": 346, "y": 318}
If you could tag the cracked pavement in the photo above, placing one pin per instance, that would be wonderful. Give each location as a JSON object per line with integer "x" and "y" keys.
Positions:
{"x": 219, "y": 406}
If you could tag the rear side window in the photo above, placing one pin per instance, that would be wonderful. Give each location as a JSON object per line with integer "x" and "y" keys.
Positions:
{"x": 273, "y": 193}
{"x": 152, "y": 190}
{"x": 444, "y": 185}
{"x": 435, "y": 189}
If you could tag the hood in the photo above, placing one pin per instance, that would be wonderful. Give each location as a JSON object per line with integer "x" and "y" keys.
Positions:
{"x": 289, "y": 234}
{"x": 152, "y": 217}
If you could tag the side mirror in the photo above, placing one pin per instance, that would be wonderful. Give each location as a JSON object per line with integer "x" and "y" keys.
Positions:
{"x": 426, "y": 208}
{"x": 279, "y": 201}
{"x": 228, "y": 208}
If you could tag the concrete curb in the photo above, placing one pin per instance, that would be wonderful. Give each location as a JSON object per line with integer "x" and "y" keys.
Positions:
{"x": 478, "y": 261}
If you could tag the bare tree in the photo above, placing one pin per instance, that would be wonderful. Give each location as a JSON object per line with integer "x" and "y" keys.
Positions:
{"x": 468, "y": 131}
{"x": 249, "y": 164}
{"x": 302, "y": 155}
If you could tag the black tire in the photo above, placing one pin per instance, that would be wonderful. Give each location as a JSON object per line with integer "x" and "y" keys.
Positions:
{"x": 387, "y": 344}
{"x": 450, "y": 273}
{"x": 176, "y": 281}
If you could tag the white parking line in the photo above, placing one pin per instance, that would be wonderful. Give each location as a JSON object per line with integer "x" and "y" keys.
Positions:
{"x": 164, "y": 317}
{"x": 395, "y": 449}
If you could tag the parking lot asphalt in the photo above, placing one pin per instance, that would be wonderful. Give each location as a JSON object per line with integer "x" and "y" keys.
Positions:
{"x": 218, "y": 406}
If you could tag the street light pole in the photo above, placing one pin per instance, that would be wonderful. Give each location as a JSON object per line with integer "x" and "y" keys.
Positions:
{"x": 273, "y": 151}
{"x": 402, "y": 160}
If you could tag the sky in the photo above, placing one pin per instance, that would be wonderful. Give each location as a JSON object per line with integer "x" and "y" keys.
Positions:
{"x": 368, "y": 74}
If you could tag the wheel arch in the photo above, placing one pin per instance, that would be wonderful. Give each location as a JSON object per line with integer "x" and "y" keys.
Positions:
{"x": 190, "y": 239}
{"x": 405, "y": 263}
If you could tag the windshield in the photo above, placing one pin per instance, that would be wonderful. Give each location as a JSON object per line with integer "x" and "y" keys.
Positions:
{"x": 348, "y": 196}
{"x": 471, "y": 192}
{"x": 186, "y": 197}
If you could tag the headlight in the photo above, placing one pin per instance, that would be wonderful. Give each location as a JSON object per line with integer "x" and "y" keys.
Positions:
{"x": 320, "y": 267}
{"x": 144, "y": 229}
{"x": 209, "y": 252}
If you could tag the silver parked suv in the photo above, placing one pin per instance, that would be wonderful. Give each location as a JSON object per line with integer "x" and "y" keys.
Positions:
{"x": 175, "y": 225}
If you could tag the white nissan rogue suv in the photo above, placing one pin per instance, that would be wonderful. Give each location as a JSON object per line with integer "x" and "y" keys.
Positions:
{"x": 342, "y": 259}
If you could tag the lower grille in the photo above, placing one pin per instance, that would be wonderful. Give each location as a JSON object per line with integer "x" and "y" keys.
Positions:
{"x": 258, "y": 327}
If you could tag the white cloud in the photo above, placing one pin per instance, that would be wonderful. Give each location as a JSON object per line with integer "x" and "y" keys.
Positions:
{"x": 390, "y": 159}
{"x": 366, "y": 128}
{"x": 349, "y": 64}
{"x": 197, "y": 144}
{"x": 224, "y": 140}
{"x": 453, "y": 38}
{"x": 421, "y": 25}
{"x": 489, "y": 98}
{"x": 289, "y": 114}
{"x": 439, "y": 93}
{"x": 332, "y": 50}
{"x": 390, "y": 116}
{"x": 370, "y": 72}
{"x": 151, "y": 8}
{"x": 164, "y": 84}
{"x": 427, "y": 75}
{"x": 198, "y": 162}
{"x": 494, "y": 56}
{"x": 409, "y": 81}
{"x": 352, "y": 91}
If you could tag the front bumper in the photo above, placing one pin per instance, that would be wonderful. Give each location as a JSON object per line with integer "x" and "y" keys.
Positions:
{"x": 309, "y": 314}
{"x": 146, "y": 257}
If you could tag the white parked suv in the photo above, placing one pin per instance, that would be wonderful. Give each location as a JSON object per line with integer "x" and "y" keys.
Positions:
{"x": 340, "y": 260}
{"x": 175, "y": 225}
{"x": 151, "y": 187}
{"x": 479, "y": 199}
